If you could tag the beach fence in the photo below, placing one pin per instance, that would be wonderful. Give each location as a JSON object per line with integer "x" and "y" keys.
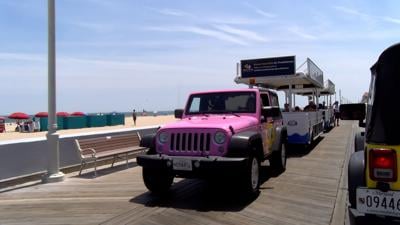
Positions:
{"x": 28, "y": 157}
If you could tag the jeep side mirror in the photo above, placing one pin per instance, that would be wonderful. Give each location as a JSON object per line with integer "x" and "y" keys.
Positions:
{"x": 352, "y": 111}
{"x": 178, "y": 113}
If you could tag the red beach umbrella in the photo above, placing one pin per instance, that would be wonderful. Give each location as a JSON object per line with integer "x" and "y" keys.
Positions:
{"x": 62, "y": 114}
{"x": 19, "y": 116}
{"x": 42, "y": 114}
{"x": 78, "y": 114}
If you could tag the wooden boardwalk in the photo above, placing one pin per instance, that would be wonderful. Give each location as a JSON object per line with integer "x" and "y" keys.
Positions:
{"x": 312, "y": 191}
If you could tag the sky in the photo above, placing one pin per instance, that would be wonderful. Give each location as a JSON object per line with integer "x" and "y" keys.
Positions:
{"x": 119, "y": 55}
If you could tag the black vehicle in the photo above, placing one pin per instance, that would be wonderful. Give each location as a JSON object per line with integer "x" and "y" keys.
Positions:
{"x": 373, "y": 172}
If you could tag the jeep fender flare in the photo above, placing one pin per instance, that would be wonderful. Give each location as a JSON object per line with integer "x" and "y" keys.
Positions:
{"x": 149, "y": 141}
{"x": 356, "y": 175}
{"x": 241, "y": 144}
{"x": 281, "y": 135}
{"x": 359, "y": 141}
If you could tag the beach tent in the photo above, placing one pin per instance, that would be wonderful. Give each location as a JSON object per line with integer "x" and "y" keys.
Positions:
{"x": 62, "y": 114}
{"x": 42, "y": 114}
{"x": 19, "y": 116}
{"x": 78, "y": 114}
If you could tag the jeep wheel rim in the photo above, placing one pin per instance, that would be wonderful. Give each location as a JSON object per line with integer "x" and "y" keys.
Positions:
{"x": 254, "y": 174}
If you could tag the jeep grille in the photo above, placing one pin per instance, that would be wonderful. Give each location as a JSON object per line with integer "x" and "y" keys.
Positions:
{"x": 190, "y": 141}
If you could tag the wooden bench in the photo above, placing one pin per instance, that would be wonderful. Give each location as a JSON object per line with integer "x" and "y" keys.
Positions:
{"x": 92, "y": 149}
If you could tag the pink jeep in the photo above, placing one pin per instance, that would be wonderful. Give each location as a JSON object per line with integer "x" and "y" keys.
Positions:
{"x": 221, "y": 133}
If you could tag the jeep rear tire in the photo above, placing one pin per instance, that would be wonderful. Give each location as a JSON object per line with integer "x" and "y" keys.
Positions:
{"x": 356, "y": 176}
{"x": 278, "y": 158}
{"x": 156, "y": 180}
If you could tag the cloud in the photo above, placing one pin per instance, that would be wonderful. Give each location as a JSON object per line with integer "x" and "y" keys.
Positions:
{"x": 299, "y": 32}
{"x": 97, "y": 27}
{"x": 259, "y": 11}
{"x": 138, "y": 44}
{"x": 266, "y": 14}
{"x": 352, "y": 12}
{"x": 123, "y": 64}
{"x": 201, "y": 31}
{"x": 365, "y": 16}
{"x": 391, "y": 20}
{"x": 172, "y": 12}
{"x": 104, "y": 3}
{"x": 23, "y": 57}
{"x": 246, "y": 34}
{"x": 235, "y": 20}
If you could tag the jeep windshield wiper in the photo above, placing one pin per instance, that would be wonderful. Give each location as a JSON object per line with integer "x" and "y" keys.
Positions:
{"x": 203, "y": 114}
{"x": 235, "y": 114}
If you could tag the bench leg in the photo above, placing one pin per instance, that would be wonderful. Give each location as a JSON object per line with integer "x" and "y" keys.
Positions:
{"x": 113, "y": 161}
{"x": 83, "y": 163}
{"x": 127, "y": 164}
{"x": 95, "y": 167}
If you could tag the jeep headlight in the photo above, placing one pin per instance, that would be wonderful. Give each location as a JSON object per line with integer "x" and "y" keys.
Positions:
{"x": 163, "y": 137}
{"x": 219, "y": 137}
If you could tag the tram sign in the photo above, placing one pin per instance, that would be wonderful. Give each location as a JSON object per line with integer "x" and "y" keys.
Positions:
{"x": 277, "y": 66}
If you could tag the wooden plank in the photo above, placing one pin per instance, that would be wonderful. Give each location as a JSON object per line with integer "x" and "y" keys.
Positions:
{"x": 306, "y": 193}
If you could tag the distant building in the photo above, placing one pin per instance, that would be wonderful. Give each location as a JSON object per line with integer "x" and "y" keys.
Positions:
{"x": 364, "y": 98}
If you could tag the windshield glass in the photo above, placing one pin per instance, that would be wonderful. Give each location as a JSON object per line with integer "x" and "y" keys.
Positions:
{"x": 222, "y": 102}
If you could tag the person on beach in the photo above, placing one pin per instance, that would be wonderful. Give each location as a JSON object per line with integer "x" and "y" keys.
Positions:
{"x": 134, "y": 117}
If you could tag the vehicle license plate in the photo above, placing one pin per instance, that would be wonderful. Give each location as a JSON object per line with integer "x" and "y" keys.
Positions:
{"x": 374, "y": 201}
{"x": 182, "y": 164}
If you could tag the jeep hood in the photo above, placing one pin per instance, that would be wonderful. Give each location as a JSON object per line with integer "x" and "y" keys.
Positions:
{"x": 214, "y": 122}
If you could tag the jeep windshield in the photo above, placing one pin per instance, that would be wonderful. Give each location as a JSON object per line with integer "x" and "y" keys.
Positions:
{"x": 222, "y": 103}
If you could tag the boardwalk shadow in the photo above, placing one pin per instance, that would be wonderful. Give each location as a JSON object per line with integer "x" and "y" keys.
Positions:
{"x": 88, "y": 172}
{"x": 298, "y": 151}
{"x": 372, "y": 220}
{"x": 200, "y": 195}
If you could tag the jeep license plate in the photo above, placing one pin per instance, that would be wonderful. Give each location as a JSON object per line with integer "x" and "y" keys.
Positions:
{"x": 374, "y": 201}
{"x": 182, "y": 164}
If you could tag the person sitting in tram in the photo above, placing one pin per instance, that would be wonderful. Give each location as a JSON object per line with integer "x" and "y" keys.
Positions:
{"x": 310, "y": 107}
{"x": 286, "y": 108}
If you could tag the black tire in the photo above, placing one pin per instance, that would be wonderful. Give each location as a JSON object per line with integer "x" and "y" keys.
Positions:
{"x": 278, "y": 158}
{"x": 359, "y": 141}
{"x": 156, "y": 180}
{"x": 356, "y": 177}
{"x": 251, "y": 176}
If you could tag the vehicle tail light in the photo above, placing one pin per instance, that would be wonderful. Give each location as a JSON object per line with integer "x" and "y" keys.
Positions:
{"x": 383, "y": 165}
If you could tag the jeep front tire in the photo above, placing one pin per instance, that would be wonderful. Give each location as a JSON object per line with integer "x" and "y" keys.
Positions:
{"x": 156, "y": 180}
{"x": 251, "y": 176}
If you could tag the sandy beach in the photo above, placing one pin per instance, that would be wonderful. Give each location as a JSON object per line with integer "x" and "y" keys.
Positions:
{"x": 141, "y": 121}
